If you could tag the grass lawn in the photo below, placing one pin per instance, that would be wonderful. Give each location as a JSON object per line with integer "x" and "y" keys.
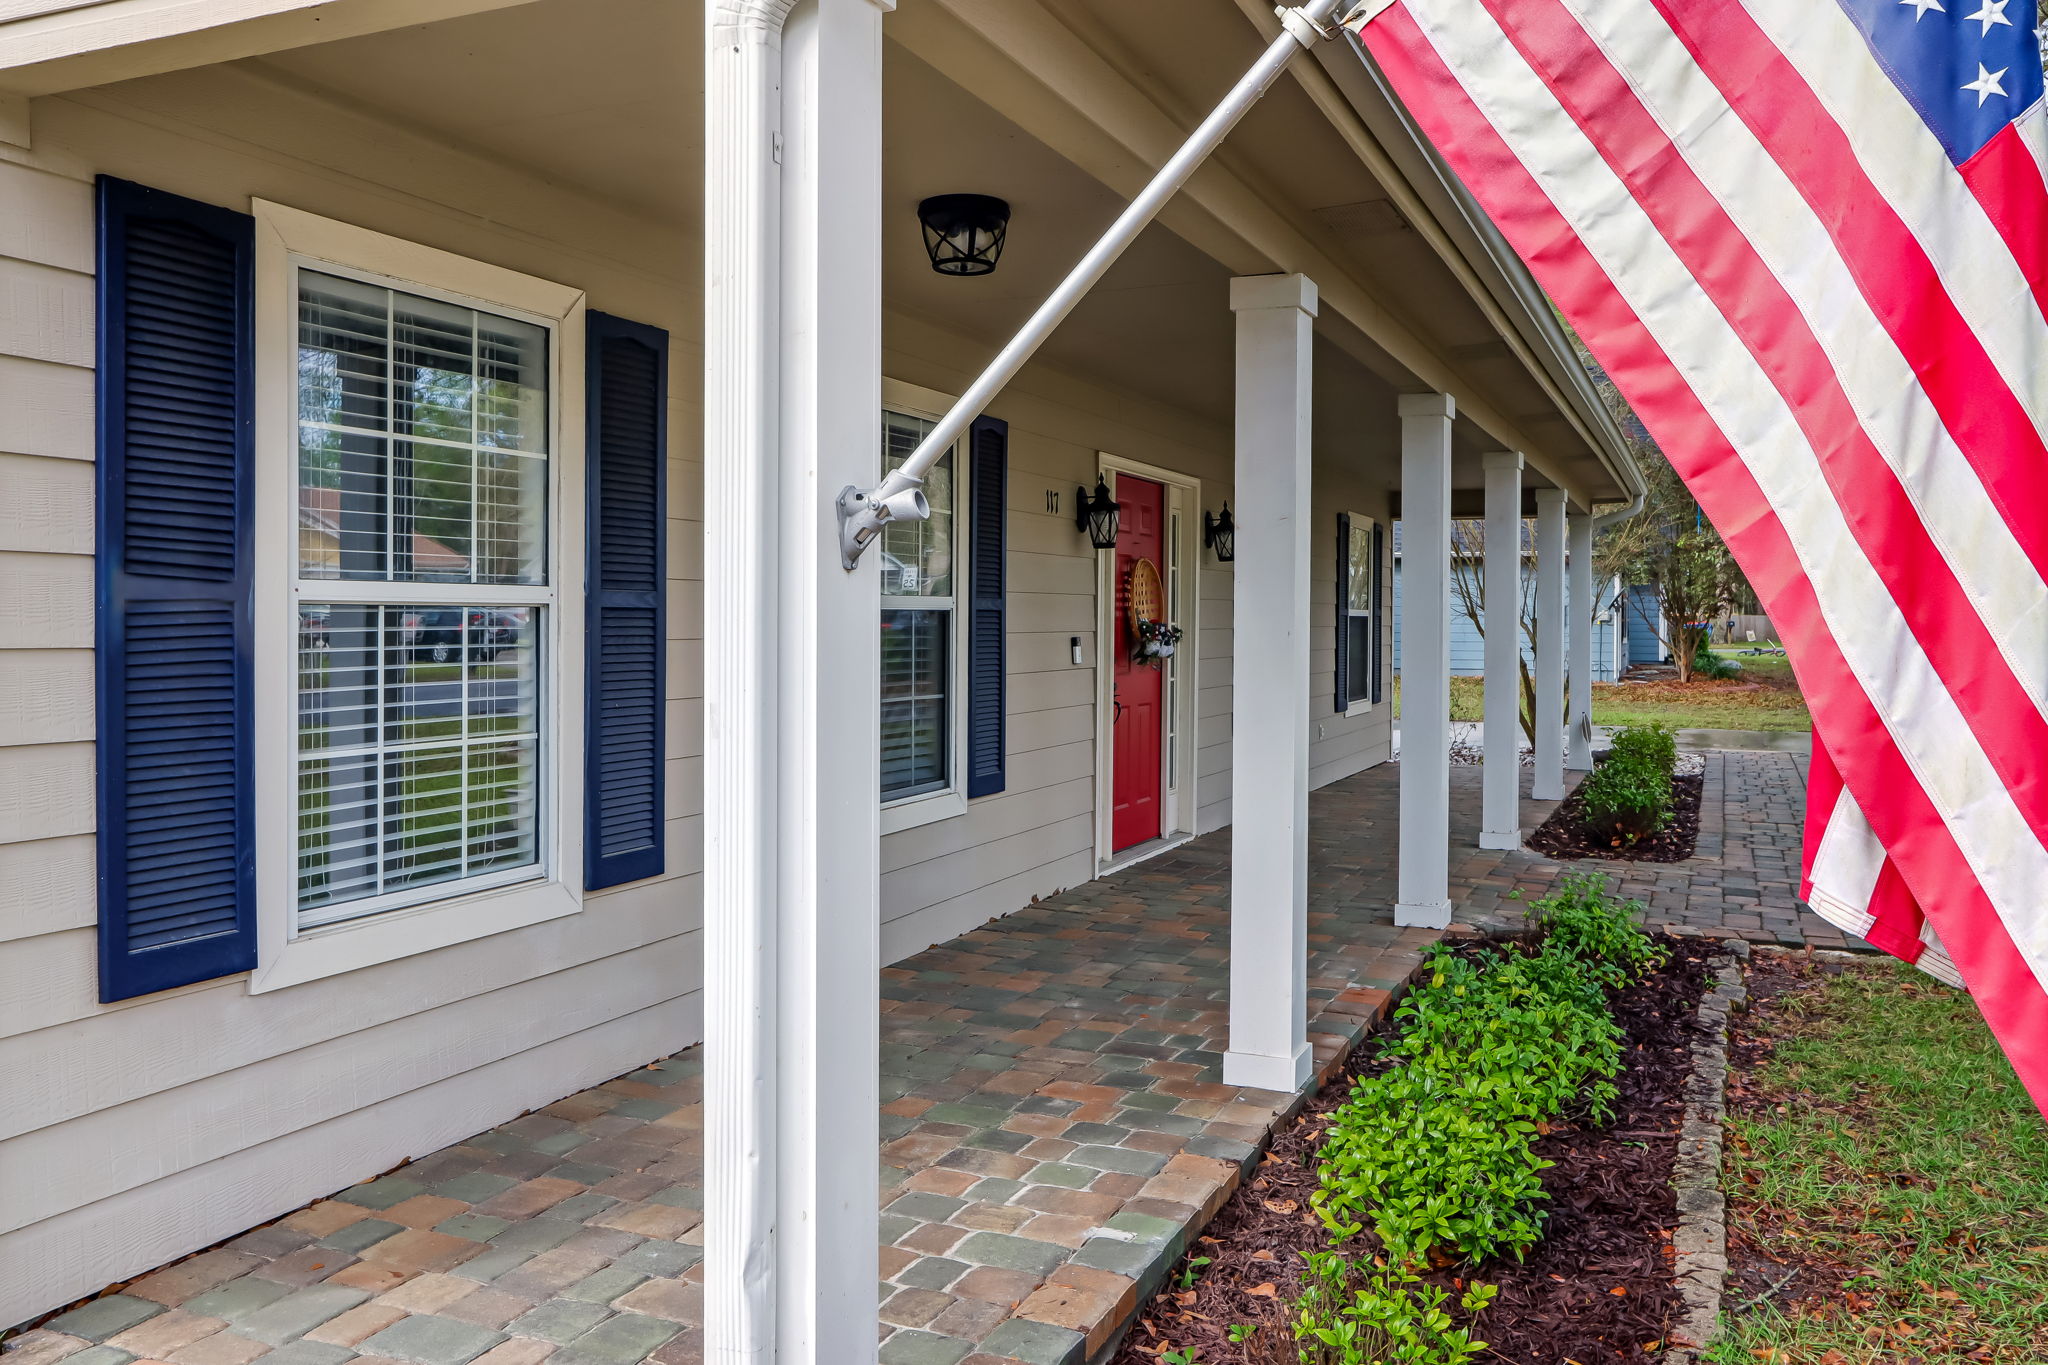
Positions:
{"x": 1886, "y": 1148}
{"x": 1765, "y": 697}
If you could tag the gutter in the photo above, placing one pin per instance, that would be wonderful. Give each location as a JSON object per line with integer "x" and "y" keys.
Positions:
{"x": 1517, "y": 293}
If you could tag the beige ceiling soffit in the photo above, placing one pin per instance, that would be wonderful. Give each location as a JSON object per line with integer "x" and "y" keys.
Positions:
{"x": 45, "y": 49}
{"x": 1060, "y": 64}
{"x": 1332, "y": 104}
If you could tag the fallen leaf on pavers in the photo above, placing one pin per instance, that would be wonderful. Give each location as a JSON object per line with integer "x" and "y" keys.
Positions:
{"x": 1280, "y": 1205}
{"x": 1263, "y": 1291}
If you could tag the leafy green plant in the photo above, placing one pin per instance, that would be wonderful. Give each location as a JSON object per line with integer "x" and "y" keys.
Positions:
{"x": 1433, "y": 1155}
{"x": 1191, "y": 1271}
{"x": 1380, "y": 1317}
{"x": 1190, "y": 1356}
{"x": 1707, "y": 664}
{"x": 1628, "y": 794}
{"x": 1241, "y": 1332}
{"x": 1605, "y": 936}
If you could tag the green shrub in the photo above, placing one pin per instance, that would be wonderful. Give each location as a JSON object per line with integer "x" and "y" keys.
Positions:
{"x": 1707, "y": 664}
{"x": 1628, "y": 794}
{"x": 1433, "y": 1155}
{"x": 1582, "y": 921}
{"x": 1655, "y": 745}
{"x": 1381, "y": 1318}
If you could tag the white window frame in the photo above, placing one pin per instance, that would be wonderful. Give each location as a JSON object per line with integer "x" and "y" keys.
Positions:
{"x": 286, "y": 240}
{"x": 909, "y": 812}
{"x": 1363, "y": 705}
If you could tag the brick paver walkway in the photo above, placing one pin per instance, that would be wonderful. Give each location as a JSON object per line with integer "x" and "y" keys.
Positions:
{"x": 1741, "y": 882}
{"x": 1054, "y": 1129}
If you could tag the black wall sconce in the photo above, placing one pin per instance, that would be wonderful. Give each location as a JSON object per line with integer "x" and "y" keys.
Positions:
{"x": 1097, "y": 515}
{"x": 1219, "y": 533}
{"x": 964, "y": 233}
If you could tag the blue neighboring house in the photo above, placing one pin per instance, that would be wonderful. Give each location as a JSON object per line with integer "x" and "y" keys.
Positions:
{"x": 1624, "y": 621}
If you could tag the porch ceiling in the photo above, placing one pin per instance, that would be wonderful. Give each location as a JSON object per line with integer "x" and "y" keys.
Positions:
{"x": 605, "y": 97}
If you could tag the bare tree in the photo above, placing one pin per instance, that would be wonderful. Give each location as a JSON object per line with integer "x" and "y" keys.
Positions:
{"x": 1468, "y": 598}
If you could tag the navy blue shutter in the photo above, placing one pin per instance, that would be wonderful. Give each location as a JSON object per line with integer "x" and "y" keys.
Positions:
{"x": 1379, "y": 609}
{"x": 625, "y": 611}
{"x": 177, "y": 870}
{"x": 988, "y": 452}
{"x": 1343, "y": 624}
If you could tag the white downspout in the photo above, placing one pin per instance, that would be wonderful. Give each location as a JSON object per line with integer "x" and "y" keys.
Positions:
{"x": 742, "y": 339}
{"x": 1635, "y": 505}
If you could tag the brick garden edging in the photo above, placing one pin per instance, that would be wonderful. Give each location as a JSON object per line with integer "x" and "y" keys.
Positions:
{"x": 1700, "y": 1242}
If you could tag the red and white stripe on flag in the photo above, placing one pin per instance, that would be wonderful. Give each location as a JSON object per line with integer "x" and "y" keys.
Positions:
{"x": 1825, "y": 304}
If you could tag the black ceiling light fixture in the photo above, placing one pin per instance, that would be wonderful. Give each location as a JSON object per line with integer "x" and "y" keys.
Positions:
{"x": 964, "y": 233}
{"x": 1097, "y": 515}
{"x": 1219, "y": 533}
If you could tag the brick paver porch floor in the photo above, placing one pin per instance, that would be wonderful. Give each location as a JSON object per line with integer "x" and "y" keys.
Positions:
{"x": 1054, "y": 1128}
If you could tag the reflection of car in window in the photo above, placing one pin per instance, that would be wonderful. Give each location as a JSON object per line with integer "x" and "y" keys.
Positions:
{"x": 436, "y": 634}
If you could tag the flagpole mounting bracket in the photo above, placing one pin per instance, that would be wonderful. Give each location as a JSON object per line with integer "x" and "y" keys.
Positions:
{"x": 1306, "y": 30}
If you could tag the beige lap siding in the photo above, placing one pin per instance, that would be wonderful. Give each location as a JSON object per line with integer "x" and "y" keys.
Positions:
{"x": 136, "y": 1132}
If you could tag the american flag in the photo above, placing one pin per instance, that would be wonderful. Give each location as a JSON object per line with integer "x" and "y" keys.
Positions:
{"x": 1808, "y": 239}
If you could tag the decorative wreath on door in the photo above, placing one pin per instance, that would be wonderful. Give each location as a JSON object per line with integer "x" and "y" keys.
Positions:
{"x": 1152, "y": 637}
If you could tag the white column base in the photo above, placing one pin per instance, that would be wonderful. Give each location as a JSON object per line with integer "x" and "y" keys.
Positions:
{"x": 1433, "y": 915}
{"x": 1263, "y": 1072}
{"x": 1489, "y": 838}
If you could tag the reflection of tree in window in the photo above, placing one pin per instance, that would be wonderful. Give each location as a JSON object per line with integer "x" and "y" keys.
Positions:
{"x": 423, "y": 459}
{"x": 917, "y": 627}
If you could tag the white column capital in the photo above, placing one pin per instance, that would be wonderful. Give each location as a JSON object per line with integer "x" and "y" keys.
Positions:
{"x": 1253, "y": 293}
{"x": 1502, "y": 459}
{"x": 1551, "y": 497}
{"x": 1426, "y": 405}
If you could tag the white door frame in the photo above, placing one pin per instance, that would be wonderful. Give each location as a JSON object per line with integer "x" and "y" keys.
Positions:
{"x": 1177, "y": 748}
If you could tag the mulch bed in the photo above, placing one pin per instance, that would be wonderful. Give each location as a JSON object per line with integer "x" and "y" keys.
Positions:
{"x": 1566, "y": 835}
{"x": 1597, "y": 1288}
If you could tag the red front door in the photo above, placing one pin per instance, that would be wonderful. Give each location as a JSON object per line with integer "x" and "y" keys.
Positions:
{"x": 1139, "y": 688}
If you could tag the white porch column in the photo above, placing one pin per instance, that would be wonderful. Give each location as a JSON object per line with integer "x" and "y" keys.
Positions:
{"x": 1548, "y": 782}
{"x": 1269, "y": 680}
{"x": 792, "y": 387}
{"x": 1500, "y": 824}
{"x": 1578, "y": 737}
{"x": 1424, "y": 892}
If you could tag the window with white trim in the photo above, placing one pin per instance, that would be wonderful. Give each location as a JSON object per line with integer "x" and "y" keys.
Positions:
{"x": 1361, "y": 615}
{"x": 920, "y": 627}
{"x": 423, "y": 594}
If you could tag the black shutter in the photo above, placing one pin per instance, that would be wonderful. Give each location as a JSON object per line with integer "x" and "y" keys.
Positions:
{"x": 1379, "y": 612}
{"x": 1342, "y": 632}
{"x": 177, "y": 870}
{"x": 626, "y": 619}
{"x": 988, "y": 451}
